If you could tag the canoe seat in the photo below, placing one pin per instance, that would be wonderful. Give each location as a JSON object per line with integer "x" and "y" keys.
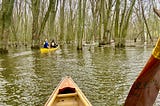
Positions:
{"x": 67, "y": 95}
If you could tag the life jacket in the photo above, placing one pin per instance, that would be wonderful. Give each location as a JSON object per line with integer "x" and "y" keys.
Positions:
{"x": 46, "y": 45}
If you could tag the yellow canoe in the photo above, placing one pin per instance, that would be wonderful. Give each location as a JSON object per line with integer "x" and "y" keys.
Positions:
{"x": 46, "y": 50}
{"x": 67, "y": 93}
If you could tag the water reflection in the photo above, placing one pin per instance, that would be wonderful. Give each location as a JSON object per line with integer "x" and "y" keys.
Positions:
{"x": 104, "y": 74}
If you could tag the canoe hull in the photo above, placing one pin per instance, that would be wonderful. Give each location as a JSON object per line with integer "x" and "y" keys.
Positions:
{"x": 47, "y": 50}
{"x": 67, "y": 93}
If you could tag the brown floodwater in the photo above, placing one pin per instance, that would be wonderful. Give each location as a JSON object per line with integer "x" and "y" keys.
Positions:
{"x": 105, "y": 75}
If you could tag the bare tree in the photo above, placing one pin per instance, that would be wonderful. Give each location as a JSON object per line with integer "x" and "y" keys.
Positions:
{"x": 5, "y": 21}
{"x": 94, "y": 24}
{"x": 79, "y": 32}
{"x": 52, "y": 18}
{"x": 38, "y": 27}
{"x": 121, "y": 30}
{"x": 35, "y": 14}
{"x": 145, "y": 21}
{"x": 62, "y": 6}
{"x": 70, "y": 24}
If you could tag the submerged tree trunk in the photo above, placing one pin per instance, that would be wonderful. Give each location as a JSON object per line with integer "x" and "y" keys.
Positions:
{"x": 51, "y": 4}
{"x": 125, "y": 27}
{"x": 107, "y": 18}
{"x": 79, "y": 32}
{"x": 25, "y": 25}
{"x": 121, "y": 30}
{"x": 5, "y": 21}
{"x": 94, "y": 29}
{"x": 83, "y": 18}
{"x": 101, "y": 25}
{"x": 116, "y": 30}
{"x": 145, "y": 21}
{"x": 16, "y": 22}
{"x": 35, "y": 27}
{"x": 38, "y": 27}
{"x": 52, "y": 18}
{"x": 62, "y": 5}
{"x": 69, "y": 37}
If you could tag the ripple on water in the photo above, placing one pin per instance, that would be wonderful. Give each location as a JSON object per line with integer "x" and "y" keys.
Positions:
{"x": 103, "y": 74}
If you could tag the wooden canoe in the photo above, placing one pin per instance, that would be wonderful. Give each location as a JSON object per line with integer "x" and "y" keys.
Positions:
{"x": 47, "y": 50}
{"x": 67, "y": 93}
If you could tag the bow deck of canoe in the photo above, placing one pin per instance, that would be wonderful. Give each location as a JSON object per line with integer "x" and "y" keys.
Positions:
{"x": 67, "y": 93}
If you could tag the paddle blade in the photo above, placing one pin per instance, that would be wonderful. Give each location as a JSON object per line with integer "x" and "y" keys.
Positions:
{"x": 146, "y": 87}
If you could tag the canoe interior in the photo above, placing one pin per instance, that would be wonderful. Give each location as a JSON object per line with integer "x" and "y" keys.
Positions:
{"x": 68, "y": 97}
{"x": 67, "y": 93}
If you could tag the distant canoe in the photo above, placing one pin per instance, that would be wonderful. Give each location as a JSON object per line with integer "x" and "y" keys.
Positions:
{"x": 67, "y": 93}
{"x": 47, "y": 50}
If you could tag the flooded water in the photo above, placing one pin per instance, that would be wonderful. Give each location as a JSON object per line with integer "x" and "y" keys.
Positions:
{"x": 103, "y": 74}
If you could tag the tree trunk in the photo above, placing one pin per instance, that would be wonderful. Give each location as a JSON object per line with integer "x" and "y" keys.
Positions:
{"x": 121, "y": 30}
{"x": 16, "y": 22}
{"x": 35, "y": 27}
{"x": 51, "y": 5}
{"x": 125, "y": 27}
{"x": 145, "y": 21}
{"x": 70, "y": 34}
{"x": 101, "y": 25}
{"x": 79, "y": 32}
{"x": 52, "y": 18}
{"x": 5, "y": 21}
{"x": 94, "y": 8}
{"x": 83, "y": 19}
{"x": 25, "y": 26}
{"x": 62, "y": 4}
{"x": 116, "y": 30}
{"x": 106, "y": 35}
